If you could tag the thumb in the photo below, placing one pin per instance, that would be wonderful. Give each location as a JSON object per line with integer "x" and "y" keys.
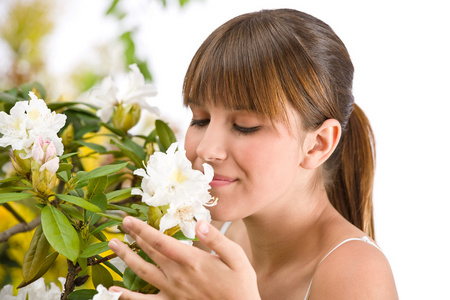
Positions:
{"x": 231, "y": 253}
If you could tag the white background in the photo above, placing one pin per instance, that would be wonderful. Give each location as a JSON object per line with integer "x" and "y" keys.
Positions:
{"x": 400, "y": 50}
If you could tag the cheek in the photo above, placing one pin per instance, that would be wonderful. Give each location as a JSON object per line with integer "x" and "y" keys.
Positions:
{"x": 191, "y": 142}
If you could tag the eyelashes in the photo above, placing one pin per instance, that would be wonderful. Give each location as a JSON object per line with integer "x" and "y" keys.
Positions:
{"x": 239, "y": 129}
{"x": 199, "y": 123}
{"x": 245, "y": 130}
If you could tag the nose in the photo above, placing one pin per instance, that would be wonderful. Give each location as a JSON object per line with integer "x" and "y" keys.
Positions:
{"x": 212, "y": 146}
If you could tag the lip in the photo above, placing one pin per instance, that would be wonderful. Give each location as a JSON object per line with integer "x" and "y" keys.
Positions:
{"x": 220, "y": 180}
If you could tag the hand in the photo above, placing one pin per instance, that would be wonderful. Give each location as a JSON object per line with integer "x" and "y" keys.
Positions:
{"x": 186, "y": 272}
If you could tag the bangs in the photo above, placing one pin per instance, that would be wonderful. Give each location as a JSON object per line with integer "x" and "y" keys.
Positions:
{"x": 235, "y": 67}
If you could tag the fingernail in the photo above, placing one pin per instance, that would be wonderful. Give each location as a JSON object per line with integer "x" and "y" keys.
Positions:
{"x": 203, "y": 228}
{"x": 113, "y": 245}
{"x": 126, "y": 223}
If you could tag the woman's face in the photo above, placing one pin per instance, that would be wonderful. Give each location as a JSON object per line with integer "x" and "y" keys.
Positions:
{"x": 256, "y": 162}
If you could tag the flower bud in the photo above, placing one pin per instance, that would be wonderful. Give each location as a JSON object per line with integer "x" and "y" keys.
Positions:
{"x": 21, "y": 165}
{"x": 126, "y": 116}
{"x": 44, "y": 166}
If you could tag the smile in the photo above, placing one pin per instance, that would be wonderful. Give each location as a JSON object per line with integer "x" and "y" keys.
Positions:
{"x": 219, "y": 180}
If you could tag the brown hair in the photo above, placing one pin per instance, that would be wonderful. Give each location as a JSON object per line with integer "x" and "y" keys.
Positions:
{"x": 266, "y": 60}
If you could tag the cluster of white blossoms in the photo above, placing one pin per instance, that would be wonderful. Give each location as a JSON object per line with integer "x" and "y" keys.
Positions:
{"x": 39, "y": 291}
{"x": 26, "y": 122}
{"x": 36, "y": 291}
{"x": 170, "y": 182}
{"x": 110, "y": 95}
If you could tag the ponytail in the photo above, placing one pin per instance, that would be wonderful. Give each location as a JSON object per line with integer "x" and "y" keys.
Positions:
{"x": 351, "y": 191}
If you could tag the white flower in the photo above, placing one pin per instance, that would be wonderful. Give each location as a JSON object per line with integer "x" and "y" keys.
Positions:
{"x": 119, "y": 264}
{"x": 170, "y": 180}
{"x": 34, "y": 291}
{"x": 28, "y": 120}
{"x": 170, "y": 176}
{"x": 104, "y": 294}
{"x": 6, "y": 293}
{"x": 39, "y": 291}
{"x": 136, "y": 92}
{"x": 105, "y": 98}
{"x": 185, "y": 214}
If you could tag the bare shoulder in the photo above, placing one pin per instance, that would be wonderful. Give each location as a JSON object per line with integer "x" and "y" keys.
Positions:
{"x": 355, "y": 270}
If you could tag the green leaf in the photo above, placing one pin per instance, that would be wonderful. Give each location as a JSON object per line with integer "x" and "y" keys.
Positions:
{"x": 64, "y": 167}
{"x": 59, "y": 105}
{"x": 122, "y": 208}
{"x": 183, "y": 2}
{"x": 143, "y": 209}
{"x": 102, "y": 171}
{"x": 99, "y": 200}
{"x": 112, "y": 7}
{"x": 131, "y": 280}
{"x": 112, "y": 267}
{"x": 7, "y": 98}
{"x": 7, "y": 197}
{"x": 65, "y": 156}
{"x": 60, "y": 233}
{"x": 63, "y": 176}
{"x": 107, "y": 224}
{"x": 35, "y": 255}
{"x": 45, "y": 266}
{"x": 113, "y": 217}
{"x": 119, "y": 195}
{"x": 97, "y": 148}
{"x": 10, "y": 179}
{"x": 15, "y": 189}
{"x": 113, "y": 129}
{"x": 100, "y": 275}
{"x": 80, "y": 202}
{"x": 72, "y": 211}
{"x": 100, "y": 236}
{"x": 136, "y": 148}
{"x": 165, "y": 134}
{"x": 80, "y": 132}
{"x": 97, "y": 186}
{"x": 130, "y": 153}
{"x": 24, "y": 89}
{"x": 82, "y": 294}
{"x": 94, "y": 249}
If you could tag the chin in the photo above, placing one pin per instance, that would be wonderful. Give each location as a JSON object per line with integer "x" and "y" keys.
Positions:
{"x": 222, "y": 214}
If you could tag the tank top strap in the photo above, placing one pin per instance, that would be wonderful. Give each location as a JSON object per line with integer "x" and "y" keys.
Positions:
{"x": 362, "y": 239}
{"x": 225, "y": 227}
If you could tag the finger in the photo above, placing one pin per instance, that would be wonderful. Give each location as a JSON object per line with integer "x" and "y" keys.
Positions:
{"x": 230, "y": 253}
{"x": 151, "y": 240}
{"x": 129, "y": 295}
{"x": 143, "y": 269}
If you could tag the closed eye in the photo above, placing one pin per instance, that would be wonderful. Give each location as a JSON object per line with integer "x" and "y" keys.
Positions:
{"x": 245, "y": 130}
{"x": 199, "y": 123}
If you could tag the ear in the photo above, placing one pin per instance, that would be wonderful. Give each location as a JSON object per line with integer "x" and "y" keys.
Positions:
{"x": 320, "y": 144}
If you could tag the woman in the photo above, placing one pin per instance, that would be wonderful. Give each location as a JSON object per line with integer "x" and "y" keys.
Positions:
{"x": 273, "y": 113}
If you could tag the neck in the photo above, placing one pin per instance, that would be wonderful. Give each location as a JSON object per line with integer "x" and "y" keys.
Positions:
{"x": 280, "y": 236}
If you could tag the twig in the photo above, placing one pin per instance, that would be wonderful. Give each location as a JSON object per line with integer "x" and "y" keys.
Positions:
{"x": 69, "y": 285}
{"x": 14, "y": 213}
{"x": 21, "y": 227}
{"x": 98, "y": 261}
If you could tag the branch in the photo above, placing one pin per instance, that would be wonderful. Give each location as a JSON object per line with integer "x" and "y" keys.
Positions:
{"x": 21, "y": 227}
{"x": 14, "y": 213}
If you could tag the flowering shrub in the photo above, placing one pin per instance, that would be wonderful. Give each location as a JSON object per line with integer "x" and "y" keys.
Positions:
{"x": 78, "y": 205}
